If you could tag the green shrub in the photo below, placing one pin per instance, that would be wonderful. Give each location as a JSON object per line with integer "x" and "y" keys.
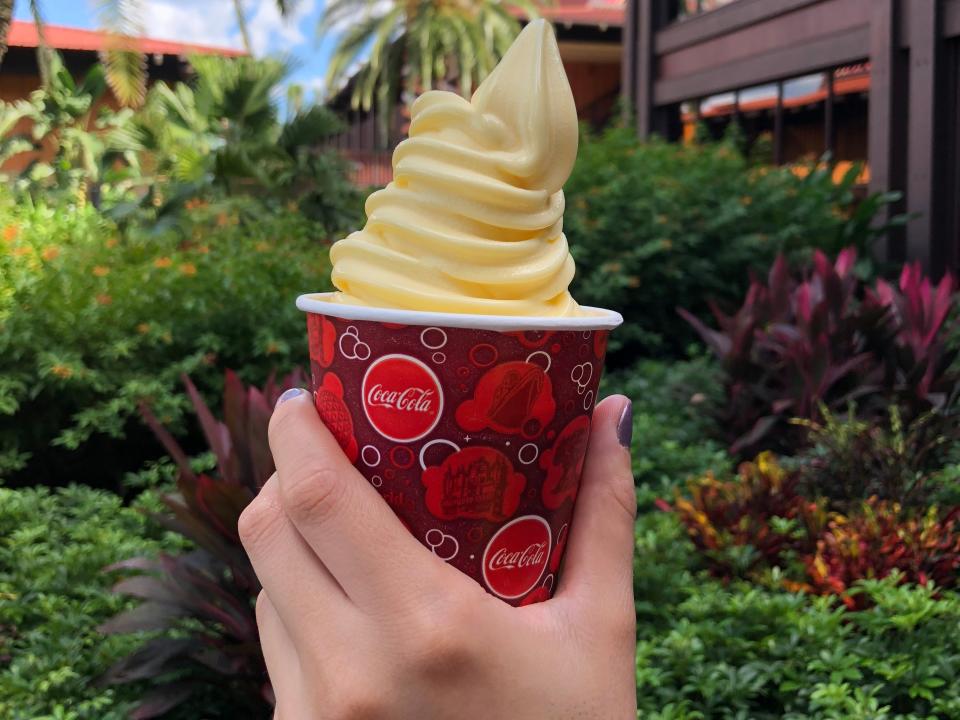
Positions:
{"x": 656, "y": 226}
{"x": 706, "y": 650}
{"x": 674, "y": 405}
{"x": 93, "y": 321}
{"x": 53, "y": 545}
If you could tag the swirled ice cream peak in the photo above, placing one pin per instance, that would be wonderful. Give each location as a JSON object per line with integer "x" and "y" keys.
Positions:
{"x": 473, "y": 220}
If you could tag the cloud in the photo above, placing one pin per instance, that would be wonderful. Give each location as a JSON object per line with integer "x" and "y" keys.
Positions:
{"x": 213, "y": 23}
{"x": 270, "y": 31}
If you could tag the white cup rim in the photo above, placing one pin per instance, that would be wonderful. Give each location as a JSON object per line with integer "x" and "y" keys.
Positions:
{"x": 598, "y": 319}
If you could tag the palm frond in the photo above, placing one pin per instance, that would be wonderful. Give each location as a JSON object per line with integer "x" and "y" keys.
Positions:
{"x": 126, "y": 69}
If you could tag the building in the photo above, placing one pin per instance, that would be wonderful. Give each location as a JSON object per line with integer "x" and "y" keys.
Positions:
{"x": 81, "y": 49}
{"x": 874, "y": 81}
{"x": 589, "y": 37}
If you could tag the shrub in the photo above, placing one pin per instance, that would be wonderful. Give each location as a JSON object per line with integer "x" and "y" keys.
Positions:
{"x": 759, "y": 527}
{"x": 742, "y": 651}
{"x": 203, "y": 600}
{"x": 656, "y": 225}
{"x": 878, "y": 541}
{"x": 674, "y": 406}
{"x": 795, "y": 345}
{"x": 747, "y": 525}
{"x": 53, "y": 546}
{"x": 93, "y": 321}
{"x": 851, "y": 460}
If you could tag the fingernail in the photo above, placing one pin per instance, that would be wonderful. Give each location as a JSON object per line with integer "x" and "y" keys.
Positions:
{"x": 289, "y": 395}
{"x": 625, "y": 425}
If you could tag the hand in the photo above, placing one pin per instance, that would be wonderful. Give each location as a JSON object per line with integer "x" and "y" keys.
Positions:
{"x": 359, "y": 620}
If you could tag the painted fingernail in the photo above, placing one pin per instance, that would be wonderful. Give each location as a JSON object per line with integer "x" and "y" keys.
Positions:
{"x": 625, "y": 425}
{"x": 289, "y": 395}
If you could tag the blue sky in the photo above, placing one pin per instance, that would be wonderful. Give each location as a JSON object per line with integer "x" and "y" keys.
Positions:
{"x": 213, "y": 22}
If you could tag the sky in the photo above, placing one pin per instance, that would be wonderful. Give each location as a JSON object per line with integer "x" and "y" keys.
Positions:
{"x": 213, "y": 22}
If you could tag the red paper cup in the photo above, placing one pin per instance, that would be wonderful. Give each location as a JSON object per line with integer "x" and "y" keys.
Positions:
{"x": 472, "y": 428}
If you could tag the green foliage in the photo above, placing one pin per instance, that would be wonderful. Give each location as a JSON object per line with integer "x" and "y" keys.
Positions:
{"x": 86, "y": 144}
{"x": 674, "y": 405}
{"x": 706, "y": 650}
{"x": 402, "y": 46}
{"x": 53, "y": 545}
{"x": 851, "y": 459}
{"x": 203, "y": 601}
{"x": 93, "y": 321}
{"x": 655, "y": 226}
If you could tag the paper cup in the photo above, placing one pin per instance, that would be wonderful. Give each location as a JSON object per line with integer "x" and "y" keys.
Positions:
{"x": 472, "y": 428}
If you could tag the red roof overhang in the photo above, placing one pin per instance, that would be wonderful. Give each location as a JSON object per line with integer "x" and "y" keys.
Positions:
{"x": 24, "y": 34}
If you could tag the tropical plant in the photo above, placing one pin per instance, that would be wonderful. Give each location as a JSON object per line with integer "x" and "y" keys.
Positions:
{"x": 410, "y": 47}
{"x": 62, "y": 116}
{"x": 653, "y": 225}
{"x": 54, "y": 545}
{"x": 6, "y": 16}
{"x": 794, "y": 346}
{"x": 202, "y": 601}
{"x": 851, "y": 459}
{"x": 750, "y": 523}
{"x": 222, "y": 134}
{"x": 94, "y": 319}
{"x": 880, "y": 540}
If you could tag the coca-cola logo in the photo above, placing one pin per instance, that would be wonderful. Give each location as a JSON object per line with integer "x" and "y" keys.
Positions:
{"x": 402, "y": 398}
{"x": 516, "y": 557}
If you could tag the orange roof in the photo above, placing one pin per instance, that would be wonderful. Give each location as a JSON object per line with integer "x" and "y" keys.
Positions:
{"x": 24, "y": 34}
{"x": 585, "y": 14}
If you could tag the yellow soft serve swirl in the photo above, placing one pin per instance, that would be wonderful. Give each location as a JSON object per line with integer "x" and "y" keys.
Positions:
{"x": 473, "y": 220}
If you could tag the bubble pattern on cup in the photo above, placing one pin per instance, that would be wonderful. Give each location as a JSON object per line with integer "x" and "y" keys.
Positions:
{"x": 475, "y": 438}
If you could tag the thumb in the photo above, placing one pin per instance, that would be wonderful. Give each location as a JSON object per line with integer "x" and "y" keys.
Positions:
{"x": 599, "y": 559}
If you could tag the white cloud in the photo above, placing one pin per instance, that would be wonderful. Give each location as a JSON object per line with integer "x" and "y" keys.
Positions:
{"x": 211, "y": 23}
{"x": 214, "y": 22}
{"x": 270, "y": 31}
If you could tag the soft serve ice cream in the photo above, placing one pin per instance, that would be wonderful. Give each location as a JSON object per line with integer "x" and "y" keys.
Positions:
{"x": 473, "y": 220}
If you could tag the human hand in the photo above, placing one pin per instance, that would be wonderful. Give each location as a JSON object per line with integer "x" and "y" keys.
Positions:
{"x": 359, "y": 620}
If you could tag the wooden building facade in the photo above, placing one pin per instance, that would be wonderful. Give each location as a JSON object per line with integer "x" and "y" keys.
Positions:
{"x": 876, "y": 81}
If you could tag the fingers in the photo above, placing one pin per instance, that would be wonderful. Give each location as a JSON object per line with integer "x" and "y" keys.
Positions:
{"x": 289, "y": 571}
{"x": 340, "y": 515}
{"x": 599, "y": 559}
{"x": 279, "y": 652}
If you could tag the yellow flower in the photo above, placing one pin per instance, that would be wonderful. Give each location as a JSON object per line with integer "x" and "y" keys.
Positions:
{"x": 203, "y": 250}
{"x": 10, "y": 233}
{"x": 50, "y": 253}
{"x": 101, "y": 271}
{"x": 163, "y": 262}
{"x": 188, "y": 269}
{"x": 61, "y": 371}
{"x": 112, "y": 242}
{"x": 104, "y": 299}
{"x": 272, "y": 348}
{"x": 262, "y": 246}
{"x": 143, "y": 328}
{"x": 746, "y": 201}
{"x": 293, "y": 206}
{"x": 22, "y": 251}
{"x": 222, "y": 219}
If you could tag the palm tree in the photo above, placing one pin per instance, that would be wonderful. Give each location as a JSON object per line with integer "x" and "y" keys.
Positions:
{"x": 6, "y": 15}
{"x": 409, "y": 45}
{"x": 125, "y": 67}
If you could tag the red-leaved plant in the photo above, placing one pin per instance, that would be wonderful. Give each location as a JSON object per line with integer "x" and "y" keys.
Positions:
{"x": 827, "y": 340}
{"x": 748, "y": 525}
{"x": 202, "y": 602}
{"x": 879, "y": 539}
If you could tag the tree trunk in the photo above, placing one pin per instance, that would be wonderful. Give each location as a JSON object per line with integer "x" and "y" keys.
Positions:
{"x": 6, "y": 13}
{"x": 242, "y": 22}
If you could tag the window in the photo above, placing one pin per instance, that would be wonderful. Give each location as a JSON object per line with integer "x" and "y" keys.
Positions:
{"x": 686, "y": 8}
{"x": 797, "y": 120}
